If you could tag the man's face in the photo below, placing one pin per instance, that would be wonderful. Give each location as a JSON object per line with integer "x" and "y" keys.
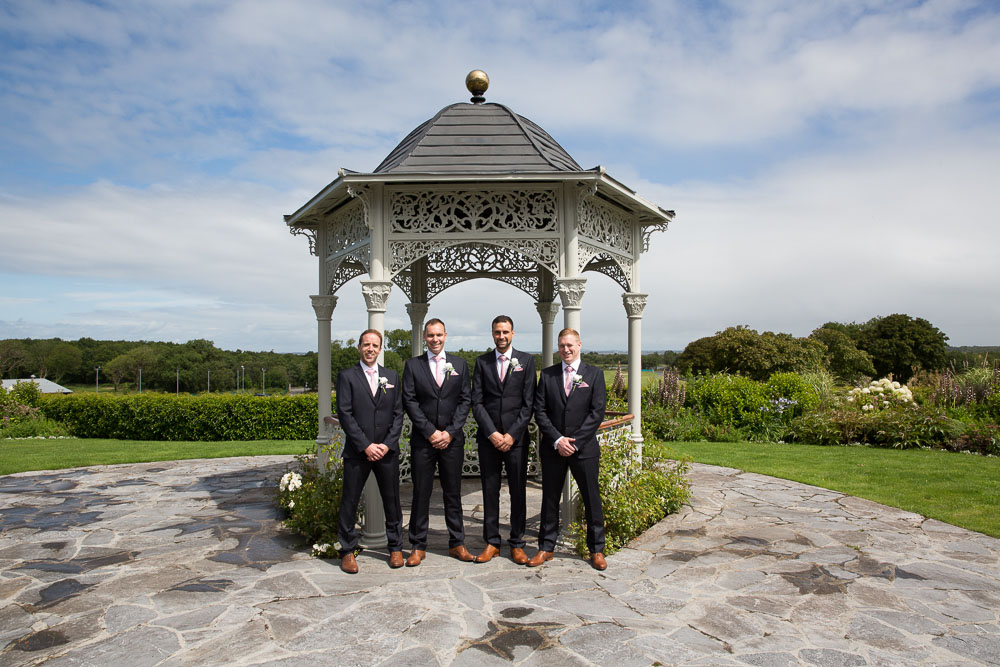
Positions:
{"x": 503, "y": 336}
{"x": 435, "y": 336}
{"x": 369, "y": 347}
{"x": 569, "y": 348}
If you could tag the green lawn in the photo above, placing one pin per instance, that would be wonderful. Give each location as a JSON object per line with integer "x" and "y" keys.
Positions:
{"x": 649, "y": 378}
{"x": 959, "y": 489}
{"x": 24, "y": 455}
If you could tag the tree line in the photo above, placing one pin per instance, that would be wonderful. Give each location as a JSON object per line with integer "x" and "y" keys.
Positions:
{"x": 894, "y": 344}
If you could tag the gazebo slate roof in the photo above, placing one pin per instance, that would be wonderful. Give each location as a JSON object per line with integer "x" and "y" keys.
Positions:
{"x": 477, "y": 138}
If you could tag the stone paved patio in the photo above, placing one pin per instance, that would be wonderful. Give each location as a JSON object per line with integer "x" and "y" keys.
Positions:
{"x": 185, "y": 563}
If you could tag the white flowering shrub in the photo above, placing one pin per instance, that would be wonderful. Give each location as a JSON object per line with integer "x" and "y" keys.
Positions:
{"x": 879, "y": 395}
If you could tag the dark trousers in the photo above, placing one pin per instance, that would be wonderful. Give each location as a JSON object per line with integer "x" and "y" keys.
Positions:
{"x": 491, "y": 463}
{"x": 423, "y": 460}
{"x": 387, "y": 476}
{"x": 585, "y": 472}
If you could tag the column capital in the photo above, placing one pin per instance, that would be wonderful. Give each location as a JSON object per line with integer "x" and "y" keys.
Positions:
{"x": 547, "y": 311}
{"x": 376, "y": 293}
{"x": 417, "y": 312}
{"x": 571, "y": 291}
{"x": 634, "y": 303}
{"x": 323, "y": 305}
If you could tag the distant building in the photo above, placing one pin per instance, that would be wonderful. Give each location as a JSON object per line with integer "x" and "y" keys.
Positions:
{"x": 46, "y": 386}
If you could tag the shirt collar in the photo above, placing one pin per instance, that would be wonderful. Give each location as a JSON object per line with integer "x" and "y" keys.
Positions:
{"x": 431, "y": 356}
{"x": 509, "y": 354}
{"x": 368, "y": 368}
{"x": 575, "y": 365}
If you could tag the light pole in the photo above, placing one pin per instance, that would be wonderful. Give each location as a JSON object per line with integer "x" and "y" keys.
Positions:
{"x": 140, "y": 379}
{"x": 97, "y": 379}
{"x": 243, "y": 385}
{"x": 177, "y": 391}
{"x": 209, "y": 381}
{"x": 262, "y": 374}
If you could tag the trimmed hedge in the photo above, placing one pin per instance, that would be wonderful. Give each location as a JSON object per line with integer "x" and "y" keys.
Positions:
{"x": 209, "y": 417}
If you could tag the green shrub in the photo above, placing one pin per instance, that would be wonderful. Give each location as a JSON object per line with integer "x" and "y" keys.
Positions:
{"x": 794, "y": 388}
{"x": 634, "y": 503}
{"x": 20, "y": 416}
{"x": 900, "y": 427}
{"x": 729, "y": 400}
{"x": 310, "y": 498}
{"x": 209, "y": 417}
{"x": 671, "y": 425}
{"x": 39, "y": 427}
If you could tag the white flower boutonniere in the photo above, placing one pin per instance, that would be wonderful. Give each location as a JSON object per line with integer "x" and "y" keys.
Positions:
{"x": 449, "y": 370}
{"x": 382, "y": 382}
{"x": 577, "y": 379}
{"x": 515, "y": 365}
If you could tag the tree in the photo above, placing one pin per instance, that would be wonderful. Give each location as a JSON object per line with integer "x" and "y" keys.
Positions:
{"x": 843, "y": 358}
{"x": 743, "y": 351}
{"x": 398, "y": 341}
{"x": 12, "y": 357}
{"x": 63, "y": 359}
{"x": 899, "y": 344}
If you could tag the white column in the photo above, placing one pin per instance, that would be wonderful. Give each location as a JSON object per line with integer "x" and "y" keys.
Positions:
{"x": 417, "y": 313}
{"x": 323, "y": 306}
{"x": 547, "y": 313}
{"x": 376, "y": 293}
{"x": 571, "y": 292}
{"x": 634, "y": 304}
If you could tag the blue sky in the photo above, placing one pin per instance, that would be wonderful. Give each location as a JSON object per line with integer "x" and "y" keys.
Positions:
{"x": 827, "y": 161}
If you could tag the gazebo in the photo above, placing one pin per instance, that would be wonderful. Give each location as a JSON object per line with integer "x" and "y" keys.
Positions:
{"x": 477, "y": 191}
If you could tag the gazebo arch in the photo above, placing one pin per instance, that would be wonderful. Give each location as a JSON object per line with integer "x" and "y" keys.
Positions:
{"x": 477, "y": 191}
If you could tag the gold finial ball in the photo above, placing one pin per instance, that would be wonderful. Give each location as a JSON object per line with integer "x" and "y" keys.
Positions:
{"x": 477, "y": 82}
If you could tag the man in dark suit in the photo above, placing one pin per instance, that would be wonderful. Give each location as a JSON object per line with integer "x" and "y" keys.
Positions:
{"x": 569, "y": 409}
{"x": 370, "y": 410}
{"x": 503, "y": 393}
{"x": 436, "y": 397}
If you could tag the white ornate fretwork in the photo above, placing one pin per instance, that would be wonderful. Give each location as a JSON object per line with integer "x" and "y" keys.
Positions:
{"x": 345, "y": 273}
{"x": 347, "y": 228}
{"x": 310, "y": 234}
{"x": 613, "y": 265}
{"x": 648, "y": 230}
{"x": 462, "y": 211}
{"x": 605, "y": 224}
{"x": 376, "y": 293}
{"x": 634, "y": 303}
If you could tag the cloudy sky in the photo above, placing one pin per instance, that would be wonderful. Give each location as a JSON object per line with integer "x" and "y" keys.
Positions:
{"x": 827, "y": 161}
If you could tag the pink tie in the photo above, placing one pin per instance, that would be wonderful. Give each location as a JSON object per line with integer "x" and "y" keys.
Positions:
{"x": 439, "y": 369}
{"x": 569, "y": 379}
{"x": 503, "y": 366}
{"x": 371, "y": 379}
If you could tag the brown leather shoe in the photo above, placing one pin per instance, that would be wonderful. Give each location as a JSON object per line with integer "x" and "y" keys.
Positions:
{"x": 396, "y": 559}
{"x": 416, "y": 556}
{"x": 518, "y": 556}
{"x": 348, "y": 563}
{"x": 461, "y": 553}
{"x": 598, "y": 562}
{"x": 488, "y": 553}
{"x": 540, "y": 557}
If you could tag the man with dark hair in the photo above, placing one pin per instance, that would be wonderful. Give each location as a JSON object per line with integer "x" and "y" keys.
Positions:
{"x": 503, "y": 393}
{"x": 569, "y": 409}
{"x": 436, "y": 397}
{"x": 370, "y": 410}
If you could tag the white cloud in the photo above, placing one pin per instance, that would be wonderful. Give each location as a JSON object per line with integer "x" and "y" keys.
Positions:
{"x": 852, "y": 152}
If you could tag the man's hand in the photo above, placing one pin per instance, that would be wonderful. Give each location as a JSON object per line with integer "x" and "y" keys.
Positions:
{"x": 508, "y": 442}
{"x": 440, "y": 439}
{"x": 565, "y": 446}
{"x": 496, "y": 439}
{"x": 376, "y": 451}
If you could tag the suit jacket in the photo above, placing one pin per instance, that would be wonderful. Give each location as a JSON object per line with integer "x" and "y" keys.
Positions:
{"x": 432, "y": 408}
{"x": 366, "y": 418}
{"x": 503, "y": 407}
{"x": 577, "y": 416}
